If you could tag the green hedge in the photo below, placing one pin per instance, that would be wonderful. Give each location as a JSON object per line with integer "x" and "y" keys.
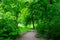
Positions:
{"x": 8, "y": 29}
{"x": 50, "y": 29}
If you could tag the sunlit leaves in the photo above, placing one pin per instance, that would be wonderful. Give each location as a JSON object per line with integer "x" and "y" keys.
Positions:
{"x": 1, "y": 15}
{"x": 8, "y": 21}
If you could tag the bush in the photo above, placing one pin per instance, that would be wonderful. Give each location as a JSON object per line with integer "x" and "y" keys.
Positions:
{"x": 50, "y": 29}
{"x": 8, "y": 29}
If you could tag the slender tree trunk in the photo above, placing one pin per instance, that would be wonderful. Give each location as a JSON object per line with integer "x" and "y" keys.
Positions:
{"x": 33, "y": 21}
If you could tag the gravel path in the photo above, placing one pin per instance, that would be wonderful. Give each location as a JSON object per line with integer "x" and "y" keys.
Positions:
{"x": 31, "y": 35}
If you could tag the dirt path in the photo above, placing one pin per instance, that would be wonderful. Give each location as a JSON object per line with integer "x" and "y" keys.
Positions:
{"x": 31, "y": 35}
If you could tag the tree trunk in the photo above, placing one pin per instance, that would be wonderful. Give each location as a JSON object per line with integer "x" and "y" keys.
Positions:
{"x": 33, "y": 21}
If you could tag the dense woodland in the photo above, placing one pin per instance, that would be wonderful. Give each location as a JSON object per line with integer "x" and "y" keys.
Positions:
{"x": 43, "y": 15}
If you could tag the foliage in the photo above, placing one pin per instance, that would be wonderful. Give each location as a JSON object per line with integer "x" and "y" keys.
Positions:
{"x": 49, "y": 24}
{"x": 9, "y": 29}
{"x": 24, "y": 29}
{"x": 46, "y": 15}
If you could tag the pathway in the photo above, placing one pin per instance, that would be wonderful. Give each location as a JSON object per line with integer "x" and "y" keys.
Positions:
{"x": 31, "y": 35}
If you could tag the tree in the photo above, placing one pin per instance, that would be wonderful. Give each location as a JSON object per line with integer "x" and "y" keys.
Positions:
{"x": 10, "y": 10}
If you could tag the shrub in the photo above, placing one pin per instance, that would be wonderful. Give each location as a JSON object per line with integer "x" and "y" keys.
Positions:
{"x": 8, "y": 29}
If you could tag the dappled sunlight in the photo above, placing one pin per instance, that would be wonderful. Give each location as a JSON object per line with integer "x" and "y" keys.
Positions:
{"x": 20, "y": 25}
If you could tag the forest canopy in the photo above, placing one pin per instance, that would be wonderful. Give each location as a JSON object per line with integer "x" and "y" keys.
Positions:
{"x": 43, "y": 15}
